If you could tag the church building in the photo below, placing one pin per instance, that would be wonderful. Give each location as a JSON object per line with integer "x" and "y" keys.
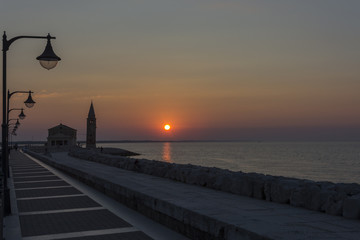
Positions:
{"x": 61, "y": 136}
{"x": 91, "y": 128}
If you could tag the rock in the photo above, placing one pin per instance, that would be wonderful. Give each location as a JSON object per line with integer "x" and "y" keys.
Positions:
{"x": 309, "y": 195}
{"x": 223, "y": 182}
{"x": 334, "y": 204}
{"x": 282, "y": 189}
{"x": 351, "y": 207}
{"x": 349, "y": 189}
{"x": 242, "y": 184}
{"x": 258, "y": 185}
{"x": 267, "y": 188}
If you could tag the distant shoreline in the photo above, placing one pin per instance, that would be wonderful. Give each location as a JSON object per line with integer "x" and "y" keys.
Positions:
{"x": 160, "y": 141}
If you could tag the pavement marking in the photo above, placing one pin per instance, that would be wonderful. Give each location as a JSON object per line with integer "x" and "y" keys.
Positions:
{"x": 36, "y": 181}
{"x": 61, "y": 211}
{"x": 55, "y": 180}
{"x": 29, "y": 169}
{"x": 36, "y": 176}
{"x": 25, "y": 167}
{"x": 24, "y": 173}
{"x": 82, "y": 234}
{"x": 65, "y": 186}
{"x": 57, "y": 196}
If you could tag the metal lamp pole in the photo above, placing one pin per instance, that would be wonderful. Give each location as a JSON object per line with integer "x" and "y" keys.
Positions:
{"x": 48, "y": 60}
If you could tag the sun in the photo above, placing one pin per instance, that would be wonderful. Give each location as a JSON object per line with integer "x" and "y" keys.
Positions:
{"x": 167, "y": 127}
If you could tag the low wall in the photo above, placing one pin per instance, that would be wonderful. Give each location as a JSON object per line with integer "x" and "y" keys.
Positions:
{"x": 340, "y": 199}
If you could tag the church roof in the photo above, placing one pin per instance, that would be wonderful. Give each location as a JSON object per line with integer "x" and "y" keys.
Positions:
{"x": 62, "y": 126}
{"x": 91, "y": 111}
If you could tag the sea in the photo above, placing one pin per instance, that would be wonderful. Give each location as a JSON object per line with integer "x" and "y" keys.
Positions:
{"x": 337, "y": 162}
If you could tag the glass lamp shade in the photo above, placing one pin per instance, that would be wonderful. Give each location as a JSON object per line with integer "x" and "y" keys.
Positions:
{"x": 48, "y": 64}
{"x": 17, "y": 123}
{"x": 48, "y": 59}
{"x": 29, "y": 102}
{"x": 22, "y": 115}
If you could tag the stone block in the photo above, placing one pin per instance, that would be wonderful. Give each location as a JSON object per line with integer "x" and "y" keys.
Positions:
{"x": 349, "y": 189}
{"x": 334, "y": 204}
{"x": 300, "y": 197}
{"x": 351, "y": 207}
{"x": 282, "y": 189}
{"x": 267, "y": 188}
{"x": 223, "y": 182}
{"x": 258, "y": 185}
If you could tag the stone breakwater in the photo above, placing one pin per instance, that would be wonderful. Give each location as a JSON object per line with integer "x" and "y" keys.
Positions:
{"x": 340, "y": 199}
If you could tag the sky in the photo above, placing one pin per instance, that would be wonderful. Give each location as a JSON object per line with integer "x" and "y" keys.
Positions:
{"x": 212, "y": 69}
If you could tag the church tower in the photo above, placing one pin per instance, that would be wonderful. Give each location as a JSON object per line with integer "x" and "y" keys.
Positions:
{"x": 91, "y": 128}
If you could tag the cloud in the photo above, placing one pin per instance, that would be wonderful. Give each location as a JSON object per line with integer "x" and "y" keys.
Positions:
{"x": 45, "y": 94}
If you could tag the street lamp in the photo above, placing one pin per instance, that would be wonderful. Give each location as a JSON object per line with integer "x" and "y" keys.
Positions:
{"x": 48, "y": 60}
{"x": 29, "y": 102}
{"x": 16, "y": 124}
{"x": 22, "y": 115}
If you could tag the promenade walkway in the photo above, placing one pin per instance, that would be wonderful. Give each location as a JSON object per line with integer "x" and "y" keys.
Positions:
{"x": 48, "y": 206}
{"x": 193, "y": 209}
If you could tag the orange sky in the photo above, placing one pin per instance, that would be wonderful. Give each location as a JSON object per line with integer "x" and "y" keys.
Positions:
{"x": 213, "y": 69}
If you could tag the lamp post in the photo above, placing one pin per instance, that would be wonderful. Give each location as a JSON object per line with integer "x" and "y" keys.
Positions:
{"x": 28, "y": 103}
{"x": 48, "y": 59}
{"x": 14, "y": 119}
{"x": 21, "y": 115}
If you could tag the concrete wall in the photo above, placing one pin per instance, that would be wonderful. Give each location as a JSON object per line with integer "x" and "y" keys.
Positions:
{"x": 332, "y": 198}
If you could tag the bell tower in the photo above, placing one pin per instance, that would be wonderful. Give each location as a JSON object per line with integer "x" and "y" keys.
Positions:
{"x": 91, "y": 128}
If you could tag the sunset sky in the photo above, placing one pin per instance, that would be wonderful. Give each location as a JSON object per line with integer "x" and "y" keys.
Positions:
{"x": 212, "y": 69}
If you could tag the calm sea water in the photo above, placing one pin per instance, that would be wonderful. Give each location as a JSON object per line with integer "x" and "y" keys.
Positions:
{"x": 320, "y": 161}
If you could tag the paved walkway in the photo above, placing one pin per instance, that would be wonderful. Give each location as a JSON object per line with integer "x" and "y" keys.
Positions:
{"x": 48, "y": 207}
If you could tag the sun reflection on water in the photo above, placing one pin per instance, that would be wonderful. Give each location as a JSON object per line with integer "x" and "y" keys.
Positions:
{"x": 166, "y": 152}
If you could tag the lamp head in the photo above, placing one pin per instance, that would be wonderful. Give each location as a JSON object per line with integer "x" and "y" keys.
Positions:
{"x": 29, "y": 102}
{"x": 22, "y": 115}
{"x": 48, "y": 59}
{"x": 17, "y": 123}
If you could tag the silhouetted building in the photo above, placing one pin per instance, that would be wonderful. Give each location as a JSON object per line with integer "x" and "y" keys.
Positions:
{"x": 61, "y": 136}
{"x": 91, "y": 128}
